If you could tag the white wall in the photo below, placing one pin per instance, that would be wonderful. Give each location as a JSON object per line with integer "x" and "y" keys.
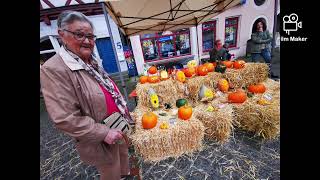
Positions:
{"x": 137, "y": 53}
{"x": 247, "y": 14}
{"x": 101, "y": 31}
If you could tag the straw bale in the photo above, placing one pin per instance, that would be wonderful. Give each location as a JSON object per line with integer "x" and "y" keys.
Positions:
{"x": 165, "y": 90}
{"x": 252, "y": 73}
{"x": 218, "y": 123}
{"x": 158, "y": 144}
{"x": 264, "y": 120}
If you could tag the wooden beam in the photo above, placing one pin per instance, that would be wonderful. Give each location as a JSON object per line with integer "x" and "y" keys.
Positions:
{"x": 47, "y": 20}
{"x": 48, "y": 3}
{"x": 79, "y": 1}
{"x": 68, "y": 2}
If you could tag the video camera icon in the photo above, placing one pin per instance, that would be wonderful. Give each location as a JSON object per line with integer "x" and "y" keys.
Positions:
{"x": 290, "y": 23}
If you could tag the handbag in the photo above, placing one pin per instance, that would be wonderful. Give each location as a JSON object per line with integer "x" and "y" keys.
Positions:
{"x": 117, "y": 121}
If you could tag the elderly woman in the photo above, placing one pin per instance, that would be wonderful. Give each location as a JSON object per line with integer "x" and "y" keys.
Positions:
{"x": 79, "y": 95}
{"x": 261, "y": 42}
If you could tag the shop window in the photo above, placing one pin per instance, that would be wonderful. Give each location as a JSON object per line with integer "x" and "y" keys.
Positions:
{"x": 259, "y": 2}
{"x": 208, "y": 35}
{"x": 231, "y": 31}
{"x": 158, "y": 46}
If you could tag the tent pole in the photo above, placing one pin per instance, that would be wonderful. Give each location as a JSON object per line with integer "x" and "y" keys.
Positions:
{"x": 274, "y": 26}
{"x": 198, "y": 49}
{"x": 114, "y": 51}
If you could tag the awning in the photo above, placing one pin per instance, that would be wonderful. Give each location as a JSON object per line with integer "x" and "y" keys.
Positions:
{"x": 143, "y": 16}
{"x": 150, "y": 16}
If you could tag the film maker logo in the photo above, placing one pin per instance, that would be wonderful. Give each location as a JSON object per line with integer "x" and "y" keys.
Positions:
{"x": 290, "y": 23}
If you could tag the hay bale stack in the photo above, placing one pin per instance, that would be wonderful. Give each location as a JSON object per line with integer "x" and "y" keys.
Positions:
{"x": 218, "y": 123}
{"x": 194, "y": 84}
{"x": 165, "y": 90}
{"x": 264, "y": 120}
{"x": 252, "y": 73}
{"x": 158, "y": 144}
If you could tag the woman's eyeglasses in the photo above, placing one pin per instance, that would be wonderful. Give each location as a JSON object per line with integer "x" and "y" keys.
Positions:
{"x": 80, "y": 36}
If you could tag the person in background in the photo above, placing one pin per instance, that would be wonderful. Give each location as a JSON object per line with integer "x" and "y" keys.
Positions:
{"x": 218, "y": 53}
{"x": 261, "y": 40}
{"x": 79, "y": 95}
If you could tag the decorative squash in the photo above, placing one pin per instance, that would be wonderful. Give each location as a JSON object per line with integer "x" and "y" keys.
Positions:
{"x": 153, "y": 70}
{"x": 164, "y": 75}
{"x": 143, "y": 79}
{"x": 221, "y": 68}
{"x": 263, "y": 102}
{"x": 180, "y": 76}
{"x": 154, "y": 100}
{"x": 206, "y": 93}
{"x": 223, "y": 85}
{"x": 189, "y": 72}
{"x": 237, "y": 97}
{"x": 192, "y": 63}
{"x": 209, "y": 66}
{"x": 228, "y": 64}
{"x": 164, "y": 125}
{"x": 259, "y": 88}
{"x": 239, "y": 64}
{"x": 181, "y": 102}
{"x": 149, "y": 120}
{"x": 185, "y": 112}
{"x": 211, "y": 108}
{"x": 153, "y": 79}
{"x": 202, "y": 70}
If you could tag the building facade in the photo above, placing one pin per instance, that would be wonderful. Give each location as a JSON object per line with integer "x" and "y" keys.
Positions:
{"x": 50, "y": 44}
{"x": 233, "y": 27}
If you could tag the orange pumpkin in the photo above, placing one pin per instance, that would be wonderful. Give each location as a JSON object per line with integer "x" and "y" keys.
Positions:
{"x": 143, "y": 79}
{"x": 152, "y": 70}
{"x": 202, "y": 70}
{"x": 228, "y": 64}
{"x": 189, "y": 72}
{"x": 180, "y": 76}
{"x": 223, "y": 85}
{"x": 153, "y": 79}
{"x": 214, "y": 64}
{"x": 239, "y": 64}
{"x": 259, "y": 88}
{"x": 149, "y": 120}
{"x": 185, "y": 112}
{"x": 209, "y": 66}
{"x": 237, "y": 97}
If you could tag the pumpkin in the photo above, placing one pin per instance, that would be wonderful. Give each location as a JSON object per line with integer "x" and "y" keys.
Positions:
{"x": 259, "y": 88}
{"x": 180, "y": 76}
{"x": 189, "y": 72}
{"x": 211, "y": 108}
{"x": 153, "y": 79}
{"x": 228, "y": 64}
{"x": 164, "y": 125}
{"x": 239, "y": 64}
{"x": 143, "y": 79}
{"x": 185, "y": 112}
{"x": 237, "y": 97}
{"x": 154, "y": 100}
{"x": 206, "y": 93}
{"x": 221, "y": 68}
{"x": 149, "y": 120}
{"x": 209, "y": 66}
{"x": 164, "y": 75}
{"x": 181, "y": 102}
{"x": 202, "y": 70}
{"x": 223, "y": 85}
{"x": 152, "y": 70}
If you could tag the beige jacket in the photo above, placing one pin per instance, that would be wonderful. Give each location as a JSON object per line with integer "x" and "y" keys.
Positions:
{"x": 77, "y": 105}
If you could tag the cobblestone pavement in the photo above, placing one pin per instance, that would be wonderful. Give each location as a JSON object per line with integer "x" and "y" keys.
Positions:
{"x": 243, "y": 157}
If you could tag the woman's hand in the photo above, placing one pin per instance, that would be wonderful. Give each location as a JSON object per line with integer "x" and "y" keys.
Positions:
{"x": 113, "y": 136}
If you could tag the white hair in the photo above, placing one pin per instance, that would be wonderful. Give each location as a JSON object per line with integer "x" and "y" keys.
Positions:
{"x": 68, "y": 17}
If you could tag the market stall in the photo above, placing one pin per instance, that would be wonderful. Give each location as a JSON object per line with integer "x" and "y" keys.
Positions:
{"x": 177, "y": 110}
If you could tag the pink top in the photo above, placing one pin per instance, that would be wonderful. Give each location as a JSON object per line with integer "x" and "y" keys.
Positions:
{"x": 111, "y": 105}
